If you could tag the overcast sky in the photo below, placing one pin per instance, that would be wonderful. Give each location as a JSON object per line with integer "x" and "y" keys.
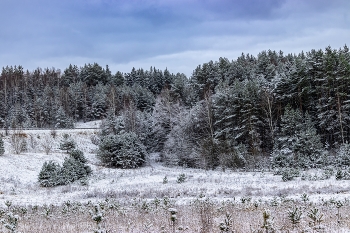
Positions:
{"x": 177, "y": 34}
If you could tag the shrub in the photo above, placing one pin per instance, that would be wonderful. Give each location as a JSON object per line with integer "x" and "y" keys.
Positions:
{"x": 73, "y": 168}
{"x": 49, "y": 174}
{"x": 67, "y": 143}
{"x": 47, "y": 144}
{"x": 78, "y": 155}
{"x": 18, "y": 142}
{"x": 343, "y": 157}
{"x": 289, "y": 174}
{"x": 181, "y": 178}
{"x": 123, "y": 150}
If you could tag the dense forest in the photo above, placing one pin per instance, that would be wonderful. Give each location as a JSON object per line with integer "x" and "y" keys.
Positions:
{"x": 228, "y": 113}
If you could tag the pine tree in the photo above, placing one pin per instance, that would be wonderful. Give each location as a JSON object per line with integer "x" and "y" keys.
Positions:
{"x": 298, "y": 144}
{"x": 67, "y": 143}
{"x": 123, "y": 150}
{"x": 61, "y": 120}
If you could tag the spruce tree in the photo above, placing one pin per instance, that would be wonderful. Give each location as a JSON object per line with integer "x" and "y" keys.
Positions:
{"x": 298, "y": 144}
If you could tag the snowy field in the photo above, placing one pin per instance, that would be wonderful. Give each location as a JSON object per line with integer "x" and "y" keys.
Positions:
{"x": 19, "y": 180}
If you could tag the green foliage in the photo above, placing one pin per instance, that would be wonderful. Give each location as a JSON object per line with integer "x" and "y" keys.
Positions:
{"x": 97, "y": 215}
{"x": 226, "y": 225}
{"x": 123, "y": 150}
{"x": 74, "y": 168}
{"x": 343, "y": 155}
{"x": 294, "y": 215}
{"x": 10, "y": 222}
{"x": 181, "y": 178}
{"x": 49, "y": 174}
{"x": 342, "y": 175}
{"x": 267, "y": 221}
{"x": 78, "y": 155}
{"x": 62, "y": 121}
{"x": 315, "y": 216}
{"x": 289, "y": 174}
{"x": 298, "y": 144}
{"x": 67, "y": 143}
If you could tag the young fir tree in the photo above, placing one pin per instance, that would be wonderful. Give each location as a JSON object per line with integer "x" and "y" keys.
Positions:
{"x": 73, "y": 168}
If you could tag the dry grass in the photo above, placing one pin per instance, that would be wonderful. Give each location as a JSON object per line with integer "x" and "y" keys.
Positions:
{"x": 201, "y": 215}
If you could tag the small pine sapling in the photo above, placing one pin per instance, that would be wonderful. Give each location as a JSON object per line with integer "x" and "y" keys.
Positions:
{"x": 173, "y": 218}
{"x": 97, "y": 216}
{"x": 225, "y": 226}
{"x": 181, "y": 178}
{"x": 10, "y": 222}
{"x": 294, "y": 215}
{"x": 316, "y": 218}
{"x": 267, "y": 221}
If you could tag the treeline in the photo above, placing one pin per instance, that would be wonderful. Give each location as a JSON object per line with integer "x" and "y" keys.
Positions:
{"x": 248, "y": 106}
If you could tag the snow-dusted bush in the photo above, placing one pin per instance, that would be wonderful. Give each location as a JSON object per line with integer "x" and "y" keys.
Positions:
{"x": 74, "y": 168}
{"x": 49, "y": 174}
{"x": 343, "y": 155}
{"x": 18, "y": 142}
{"x": 10, "y": 222}
{"x": 67, "y": 143}
{"x": 123, "y": 150}
{"x": 289, "y": 174}
{"x": 2, "y": 150}
{"x": 47, "y": 144}
{"x": 78, "y": 155}
{"x": 62, "y": 121}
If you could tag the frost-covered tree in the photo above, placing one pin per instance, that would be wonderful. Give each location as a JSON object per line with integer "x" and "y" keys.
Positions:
{"x": 164, "y": 112}
{"x": 179, "y": 149}
{"x": 67, "y": 143}
{"x": 73, "y": 168}
{"x": 298, "y": 144}
{"x": 123, "y": 150}
{"x": 49, "y": 174}
{"x": 61, "y": 119}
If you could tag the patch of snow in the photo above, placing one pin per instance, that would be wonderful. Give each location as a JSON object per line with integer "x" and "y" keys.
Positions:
{"x": 19, "y": 174}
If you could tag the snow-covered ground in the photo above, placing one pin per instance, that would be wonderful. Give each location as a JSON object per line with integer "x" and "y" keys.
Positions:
{"x": 19, "y": 174}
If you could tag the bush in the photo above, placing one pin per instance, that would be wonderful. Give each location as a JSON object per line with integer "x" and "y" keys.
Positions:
{"x": 123, "y": 150}
{"x": 343, "y": 157}
{"x": 18, "y": 142}
{"x": 49, "y": 174}
{"x": 78, "y": 155}
{"x": 73, "y": 169}
{"x": 67, "y": 143}
{"x": 289, "y": 174}
{"x": 181, "y": 178}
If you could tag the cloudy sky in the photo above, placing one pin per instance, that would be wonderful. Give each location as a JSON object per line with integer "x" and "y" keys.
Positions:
{"x": 177, "y": 34}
